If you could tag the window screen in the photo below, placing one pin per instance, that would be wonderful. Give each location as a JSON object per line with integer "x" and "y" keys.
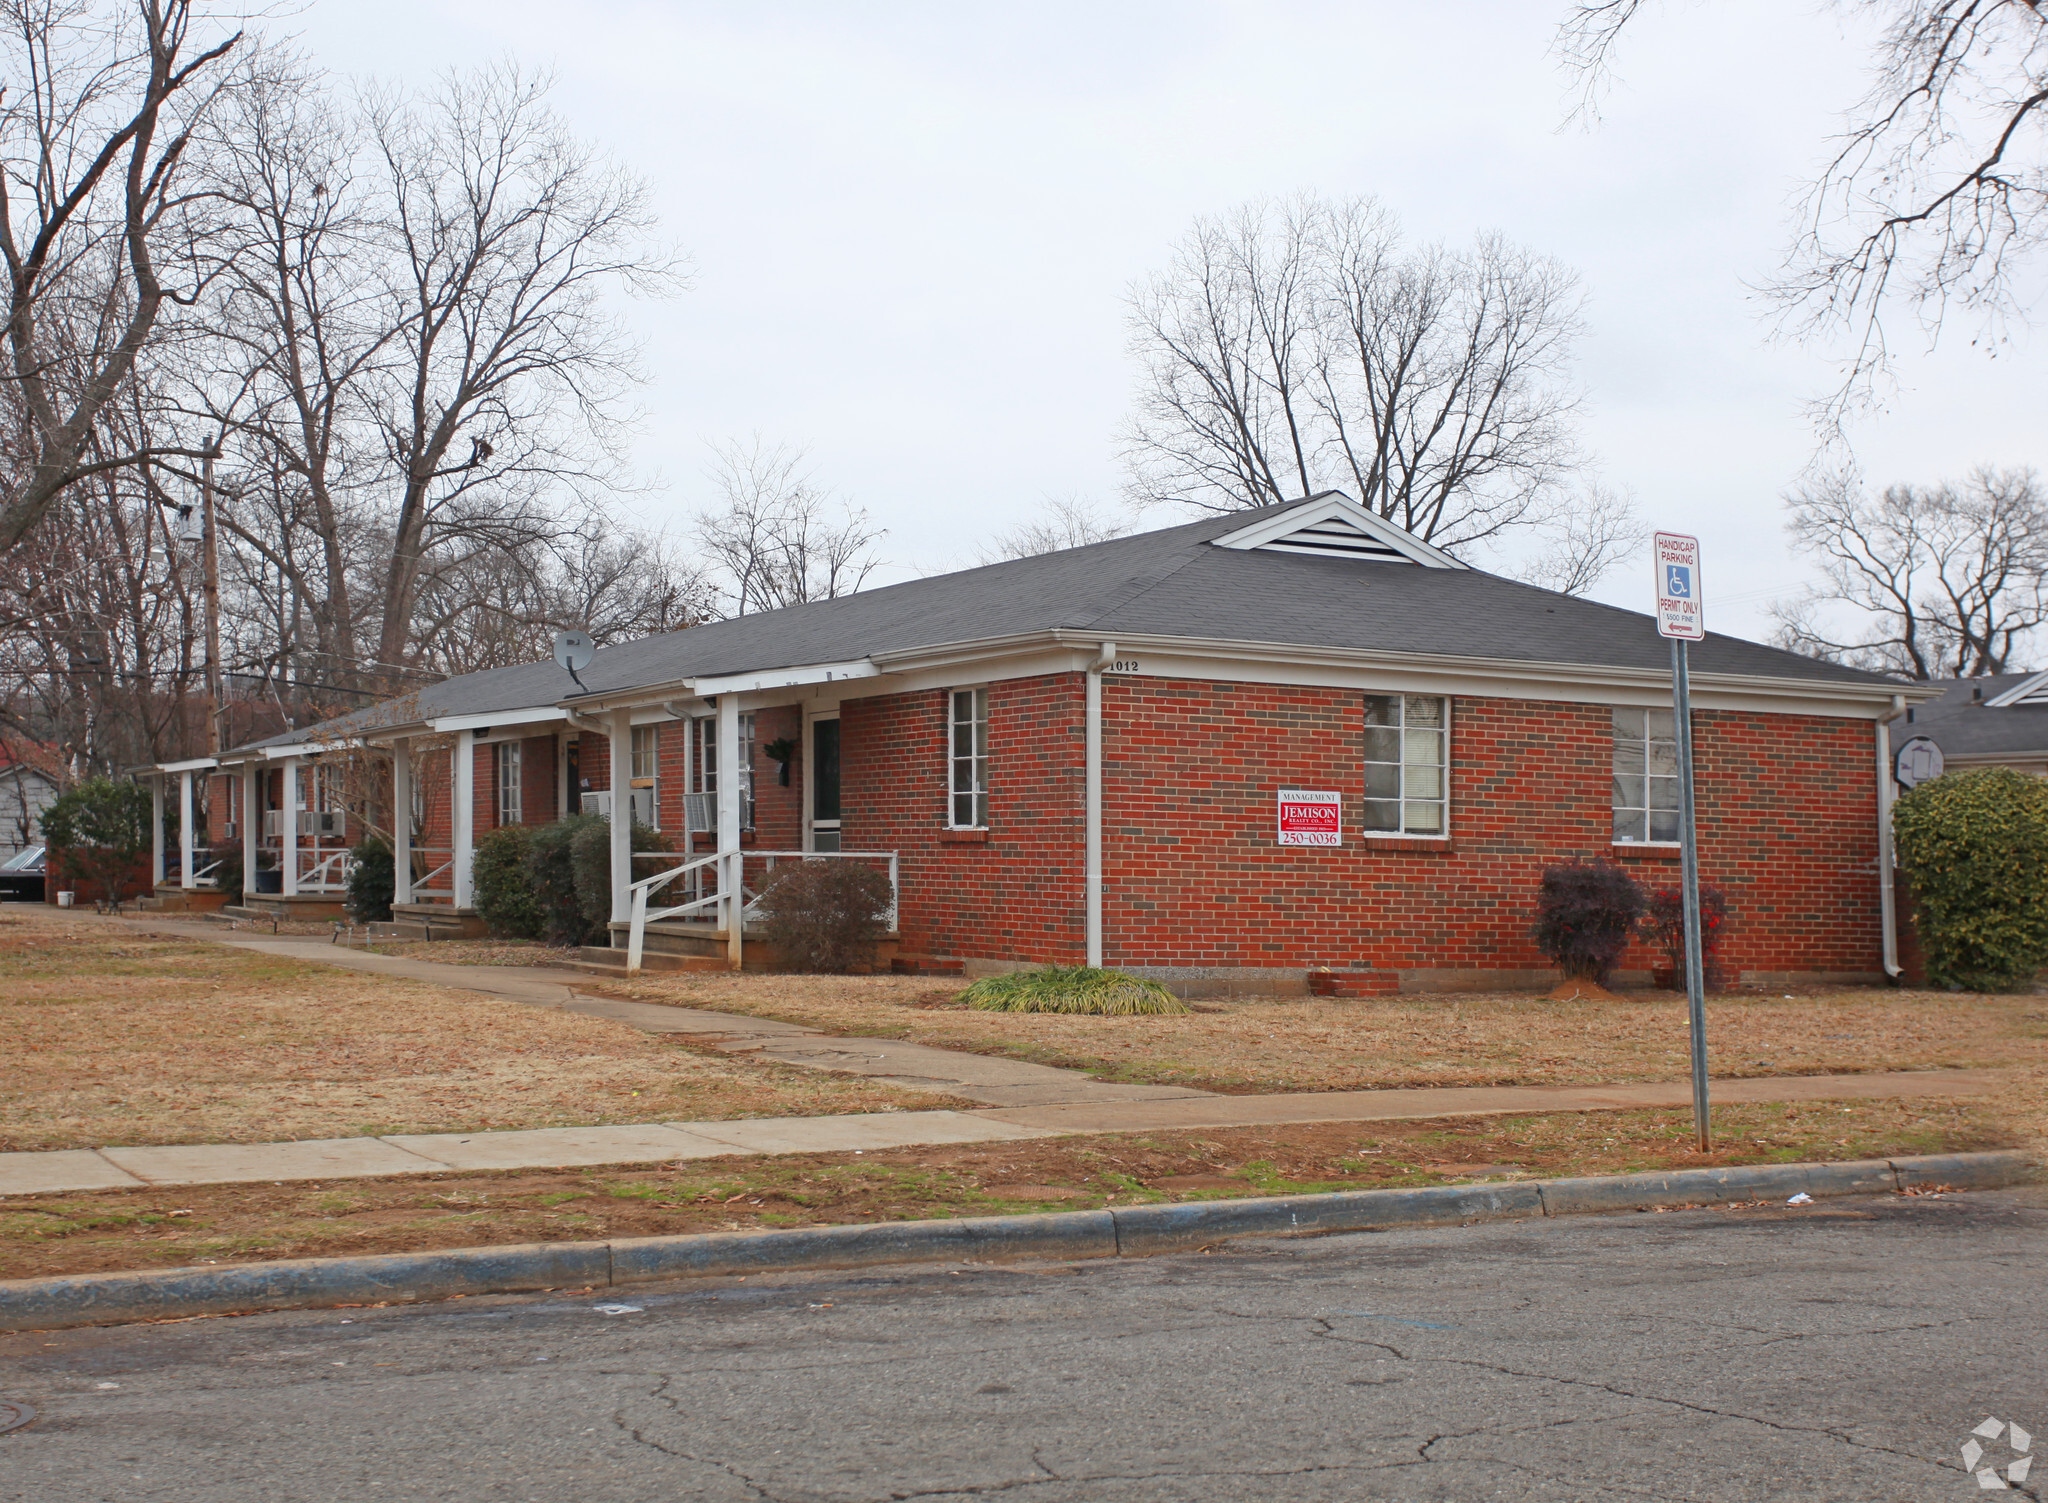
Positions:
{"x": 1406, "y": 783}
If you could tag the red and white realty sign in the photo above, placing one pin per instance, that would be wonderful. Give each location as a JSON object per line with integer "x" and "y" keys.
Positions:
{"x": 1681, "y": 611}
{"x": 1311, "y": 818}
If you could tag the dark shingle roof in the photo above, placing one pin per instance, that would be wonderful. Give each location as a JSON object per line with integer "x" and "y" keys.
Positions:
{"x": 1165, "y": 583}
{"x": 1963, "y": 726}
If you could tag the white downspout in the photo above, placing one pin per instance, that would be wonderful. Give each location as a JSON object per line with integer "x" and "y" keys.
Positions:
{"x": 1092, "y": 865}
{"x": 1887, "y": 902}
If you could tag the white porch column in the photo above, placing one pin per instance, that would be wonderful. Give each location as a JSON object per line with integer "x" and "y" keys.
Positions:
{"x": 733, "y": 908}
{"x": 156, "y": 830}
{"x": 185, "y": 831}
{"x": 252, "y": 824}
{"x": 463, "y": 818}
{"x": 401, "y": 820}
{"x": 621, "y": 749}
{"x": 288, "y": 820}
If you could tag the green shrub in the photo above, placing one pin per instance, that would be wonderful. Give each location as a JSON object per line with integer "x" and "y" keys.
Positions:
{"x": 590, "y": 849}
{"x": 372, "y": 882}
{"x": 826, "y": 915}
{"x": 1077, "y": 988}
{"x": 551, "y": 875}
{"x": 99, "y": 831}
{"x": 1974, "y": 846}
{"x": 504, "y": 895}
{"x": 1584, "y": 913}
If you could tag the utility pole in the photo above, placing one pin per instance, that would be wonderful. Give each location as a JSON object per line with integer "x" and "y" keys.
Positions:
{"x": 209, "y": 543}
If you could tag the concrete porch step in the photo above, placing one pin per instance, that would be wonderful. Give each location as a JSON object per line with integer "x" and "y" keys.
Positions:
{"x": 598, "y": 960}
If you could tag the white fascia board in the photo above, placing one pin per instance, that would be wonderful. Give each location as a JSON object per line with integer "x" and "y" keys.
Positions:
{"x": 306, "y": 749}
{"x": 1337, "y": 504}
{"x": 2018, "y": 692}
{"x": 802, "y": 677}
{"x": 490, "y": 719}
{"x": 194, "y": 764}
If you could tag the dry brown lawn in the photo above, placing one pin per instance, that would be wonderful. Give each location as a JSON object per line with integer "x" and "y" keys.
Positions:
{"x": 117, "y": 1038}
{"x": 1312, "y": 1044}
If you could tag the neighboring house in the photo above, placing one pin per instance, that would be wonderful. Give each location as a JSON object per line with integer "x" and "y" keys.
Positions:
{"x": 25, "y": 792}
{"x": 1997, "y": 721}
{"x": 1225, "y": 753}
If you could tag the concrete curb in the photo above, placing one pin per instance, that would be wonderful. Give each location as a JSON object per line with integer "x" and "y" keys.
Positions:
{"x": 1135, "y": 1231}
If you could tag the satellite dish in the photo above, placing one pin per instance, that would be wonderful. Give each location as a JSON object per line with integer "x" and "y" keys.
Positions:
{"x": 574, "y": 650}
{"x": 1919, "y": 761}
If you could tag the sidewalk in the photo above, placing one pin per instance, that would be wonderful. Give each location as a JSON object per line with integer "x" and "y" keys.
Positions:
{"x": 665, "y": 1142}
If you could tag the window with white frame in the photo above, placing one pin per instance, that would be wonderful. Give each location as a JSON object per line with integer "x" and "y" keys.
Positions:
{"x": 1407, "y": 781}
{"x": 505, "y": 759}
{"x": 704, "y": 762}
{"x": 644, "y": 775}
{"x": 1645, "y": 777}
{"x": 967, "y": 807}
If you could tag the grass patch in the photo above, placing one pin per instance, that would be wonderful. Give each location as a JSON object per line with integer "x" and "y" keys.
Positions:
{"x": 1073, "y": 989}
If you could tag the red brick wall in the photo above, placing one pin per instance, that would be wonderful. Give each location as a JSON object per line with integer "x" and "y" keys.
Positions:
{"x": 1193, "y": 876}
{"x": 1014, "y": 896}
{"x": 778, "y": 811}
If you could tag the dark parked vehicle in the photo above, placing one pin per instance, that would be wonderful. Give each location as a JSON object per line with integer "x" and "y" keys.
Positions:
{"x": 21, "y": 877}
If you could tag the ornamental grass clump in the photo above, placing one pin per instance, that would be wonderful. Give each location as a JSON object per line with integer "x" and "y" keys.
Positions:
{"x": 1078, "y": 988}
{"x": 1974, "y": 846}
{"x": 1585, "y": 912}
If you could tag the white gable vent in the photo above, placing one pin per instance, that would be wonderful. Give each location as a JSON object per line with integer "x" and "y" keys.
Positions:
{"x": 1332, "y": 525}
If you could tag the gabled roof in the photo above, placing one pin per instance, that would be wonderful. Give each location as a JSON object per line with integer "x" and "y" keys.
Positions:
{"x": 1268, "y": 576}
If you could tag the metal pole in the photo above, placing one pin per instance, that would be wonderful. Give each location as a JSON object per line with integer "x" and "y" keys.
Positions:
{"x": 1695, "y": 969}
{"x": 209, "y": 542}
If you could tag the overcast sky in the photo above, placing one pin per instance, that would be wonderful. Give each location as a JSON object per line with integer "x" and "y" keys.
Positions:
{"x": 912, "y": 228}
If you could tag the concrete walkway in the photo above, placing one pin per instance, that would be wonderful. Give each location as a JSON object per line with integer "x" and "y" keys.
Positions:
{"x": 673, "y": 1142}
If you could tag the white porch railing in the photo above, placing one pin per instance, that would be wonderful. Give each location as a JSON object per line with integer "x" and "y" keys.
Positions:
{"x": 327, "y": 873}
{"x": 720, "y": 864}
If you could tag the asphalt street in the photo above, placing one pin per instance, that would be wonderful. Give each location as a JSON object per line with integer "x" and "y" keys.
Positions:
{"x": 1839, "y": 1351}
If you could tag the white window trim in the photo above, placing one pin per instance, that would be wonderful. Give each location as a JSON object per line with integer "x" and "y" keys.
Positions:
{"x": 1613, "y": 840}
{"x": 1450, "y": 754}
{"x": 981, "y": 761}
{"x": 501, "y": 753}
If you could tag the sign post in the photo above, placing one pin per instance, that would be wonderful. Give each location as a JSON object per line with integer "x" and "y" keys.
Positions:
{"x": 1680, "y": 616}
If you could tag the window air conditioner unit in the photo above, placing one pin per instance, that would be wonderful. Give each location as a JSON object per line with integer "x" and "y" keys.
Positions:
{"x": 273, "y": 824}
{"x": 319, "y": 822}
{"x": 599, "y": 804}
{"x": 229, "y": 830}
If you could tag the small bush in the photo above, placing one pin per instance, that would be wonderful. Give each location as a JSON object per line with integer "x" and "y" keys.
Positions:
{"x": 372, "y": 882}
{"x": 1585, "y": 913}
{"x": 227, "y": 870}
{"x": 1663, "y": 925}
{"x": 590, "y": 850}
{"x": 1076, "y": 988}
{"x": 1974, "y": 845}
{"x": 505, "y": 898}
{"x": 826, "y": 915}
{"x": 551, "y": 875}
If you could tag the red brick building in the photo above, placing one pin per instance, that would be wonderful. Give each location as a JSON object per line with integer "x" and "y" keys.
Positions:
{"x": 1088, "y": 753}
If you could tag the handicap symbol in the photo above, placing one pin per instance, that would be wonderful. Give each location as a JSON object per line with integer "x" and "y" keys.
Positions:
{"x": 1678, "y": 581}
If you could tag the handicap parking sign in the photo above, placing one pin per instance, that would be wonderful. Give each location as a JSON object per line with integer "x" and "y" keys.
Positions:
{"x": 1678, "y": 586}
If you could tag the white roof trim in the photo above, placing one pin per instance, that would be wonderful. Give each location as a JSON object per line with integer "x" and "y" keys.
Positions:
{"x": 2022, "y": 692}
{"x": 1320, "y": 525}
{"x": 491, "y": 719}
{"x": 196, "y": 764}
{"x": 781, "y": 678}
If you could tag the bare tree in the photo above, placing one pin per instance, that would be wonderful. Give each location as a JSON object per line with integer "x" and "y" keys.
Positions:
{"x": 1066, "y": 522}
{"x": 1588, "y": 535}
{"x": 777, "y": 540}
{"x": 1943, "y": 582}
{"x": 91, "y": 198}
{"x": 1294, "y": 347}
{"x": 1934, "y": 195}
{"x": 505, "y": 236}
